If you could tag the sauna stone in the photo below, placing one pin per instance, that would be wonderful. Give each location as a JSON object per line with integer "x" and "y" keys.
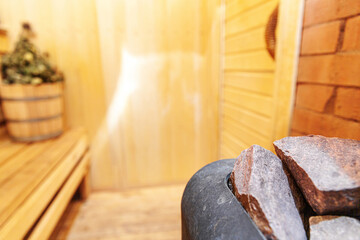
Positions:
{"x": 327, "y": 170}
{"x": 334, "y": 227}
{"x": 302, "y": 206}
{"x": 262, "y": 187}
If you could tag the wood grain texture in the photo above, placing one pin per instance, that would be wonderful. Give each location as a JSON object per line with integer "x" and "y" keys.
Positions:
{"x": 8, "y": 149}
{"x": 247, "y": 104}
{"x": 257, "y": 91}
{"x": 14, "y": 164}
{"x": 63, "y": 227}
{"x": 33, "y": 112}
{"x": 26, "y": 188}
{"x": 288, "y": 49}
{"x": 67, "y": 30}
{"x": 123, "y": 215}
{"x": 141, "y": 76}
{"x": 250, "y": 18}
{"x": 161, "y": 81}
{"x": 53, "y": 213}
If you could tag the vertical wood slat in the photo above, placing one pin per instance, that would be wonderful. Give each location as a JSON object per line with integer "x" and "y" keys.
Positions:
{"x": 68, "y": 31}
{"x": 288, "y": 49}
{"x": 33, "y": 113}
{"x": 141, "y": 76}
{"x": 160, "y": 89}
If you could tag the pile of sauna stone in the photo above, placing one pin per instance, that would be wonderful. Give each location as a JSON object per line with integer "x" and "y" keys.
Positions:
{"x": 311, "y": 189}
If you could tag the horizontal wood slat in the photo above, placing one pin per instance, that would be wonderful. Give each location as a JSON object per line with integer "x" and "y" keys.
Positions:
{"x": 248, "y": 97}
{"x": 227, "y": 153}
{"x": 248, "y": 41}
{"x": 251, "y": 101}
{"x": 255, "y": 17}
{"x": 237, "y": 7}
{"x": 16, "y": 189}
{"x": 255, "y": 108}
{"x": 249, "y": 119}
{"x": 9, "y": 149}
{"x": 244, "y": 134}
{"x": 261, "y": 83}
{"x": 256, "y": 61}
{"x": 13, "y": 165}
{"x": 36, "y": 183}
{"x": 233, "y": 143}
{"x": 52, "y": 215}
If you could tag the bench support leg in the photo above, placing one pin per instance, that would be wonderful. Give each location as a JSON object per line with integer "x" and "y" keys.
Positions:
{"x": 84, "y": 188}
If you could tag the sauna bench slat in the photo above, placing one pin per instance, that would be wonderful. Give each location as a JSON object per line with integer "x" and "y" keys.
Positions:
{"x": 32, "y": 176}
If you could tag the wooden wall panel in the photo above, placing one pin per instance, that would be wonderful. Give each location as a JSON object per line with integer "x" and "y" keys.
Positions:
{"x": 257, "y": 91}
{"x": 247, "y": 93}
{"x": 67, "y": 30}
{"x": 161, "y": 77}
{"x": 141, "y": 75}
{"x": 249, "y": 18}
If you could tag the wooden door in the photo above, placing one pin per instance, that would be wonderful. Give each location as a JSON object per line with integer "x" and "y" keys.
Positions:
{"x": 257, "y": 91}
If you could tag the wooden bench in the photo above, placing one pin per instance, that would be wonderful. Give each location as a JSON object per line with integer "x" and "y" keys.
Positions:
{"x": 38, "y": 180}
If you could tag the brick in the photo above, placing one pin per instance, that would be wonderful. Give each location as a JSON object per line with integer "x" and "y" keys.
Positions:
{"x": 320, "y": 39}
{"x": 313, "y": 97}
{"x": 340, "y": 69}
{"x": 347, "y": 103}
{"x": 352, "y": 34}
{"x": 320, "y": 11}
{"x": 310, "y": 122}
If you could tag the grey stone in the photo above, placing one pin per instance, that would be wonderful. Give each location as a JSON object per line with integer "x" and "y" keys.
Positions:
{"x": 262, "y": 187}
{"x": 327, "y": 170}
{"x": 334, "y": 228}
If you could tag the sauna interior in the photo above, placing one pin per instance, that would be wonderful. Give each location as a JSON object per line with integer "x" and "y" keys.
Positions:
{"x": 152, "y": 91}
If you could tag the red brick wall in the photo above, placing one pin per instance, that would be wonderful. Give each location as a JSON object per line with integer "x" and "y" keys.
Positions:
{"x": 328, "y": 85}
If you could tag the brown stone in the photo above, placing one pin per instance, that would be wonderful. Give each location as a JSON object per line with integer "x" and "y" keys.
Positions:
{"x": 262, "y": 187}
{"x": 302, "y": 206}
{"x": 334, "y": 227}
{"x": 327, "y": 170}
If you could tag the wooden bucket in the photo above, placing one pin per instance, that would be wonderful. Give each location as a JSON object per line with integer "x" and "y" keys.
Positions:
{"x": 33, "y": 113}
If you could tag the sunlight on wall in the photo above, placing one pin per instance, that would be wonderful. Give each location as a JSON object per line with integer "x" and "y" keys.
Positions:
{"x": 162, "y": 102}
{"x": 141, "y": 76}
{"x": 127, "y": 83}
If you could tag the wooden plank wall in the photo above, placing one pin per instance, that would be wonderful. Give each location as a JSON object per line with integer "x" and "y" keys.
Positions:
{"x": 67, "y": 30}
{"x": 248, "y": 87}
{"x": 161, "y": 78}
{"x": 141, "y": 76}
{"x": 257, "y": 92}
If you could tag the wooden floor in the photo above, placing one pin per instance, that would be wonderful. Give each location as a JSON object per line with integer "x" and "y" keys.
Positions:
{"x": 147, "y": 213}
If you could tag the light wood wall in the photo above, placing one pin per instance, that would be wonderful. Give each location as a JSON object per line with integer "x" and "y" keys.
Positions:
{"x": 257, "y": 92}
{"x": 161, "y": 80}
{"x": 141, "y": 75}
